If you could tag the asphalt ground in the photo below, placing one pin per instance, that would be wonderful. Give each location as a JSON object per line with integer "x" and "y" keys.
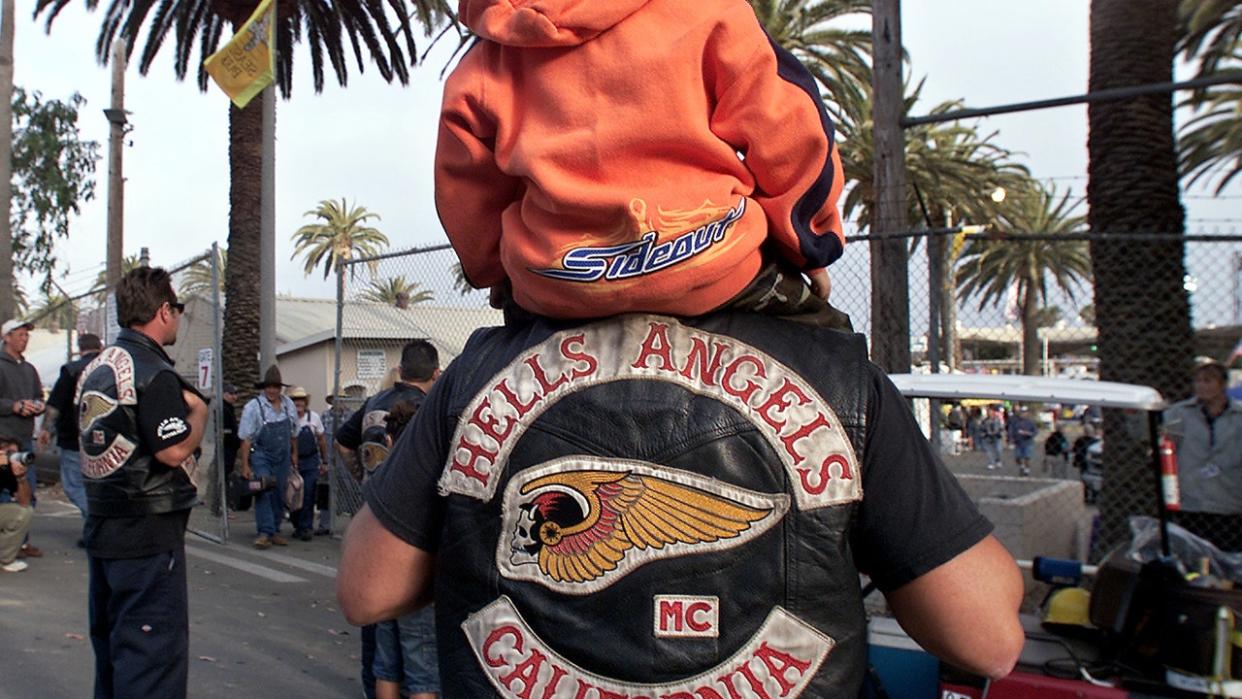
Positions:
{"x": 262, "y": 623}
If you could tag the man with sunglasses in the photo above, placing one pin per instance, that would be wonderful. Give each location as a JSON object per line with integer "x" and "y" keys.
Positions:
{"x": 141, "y": 425}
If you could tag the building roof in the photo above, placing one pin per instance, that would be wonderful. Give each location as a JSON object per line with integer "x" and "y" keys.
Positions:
{"x": 303, "y": 322}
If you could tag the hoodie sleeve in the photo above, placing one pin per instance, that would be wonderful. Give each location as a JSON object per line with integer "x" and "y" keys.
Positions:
{"x": 769, "y": 108}
{"x": 472, "y": 192}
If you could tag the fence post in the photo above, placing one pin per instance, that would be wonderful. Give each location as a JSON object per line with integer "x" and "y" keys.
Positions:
{"x": 217, "y": 387}
{"x": 333, "y": 473}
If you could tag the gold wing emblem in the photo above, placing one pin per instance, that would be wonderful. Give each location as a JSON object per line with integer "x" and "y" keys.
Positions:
{"x": 579, "y": 525}
{"x": 372, "y": 454}
{"x": 92, "y": 406}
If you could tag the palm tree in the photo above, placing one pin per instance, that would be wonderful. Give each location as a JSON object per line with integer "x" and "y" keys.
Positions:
{"x": 1210, "y": 30}
{"x": 396, "y": 291}
{"x": 1211, "y": 141}
{"x": 333, "y": 31}
{"x": 197, "y": 279}
{"x": 54, "y": 311}
{"x": 341, "y": 236}
{"x": 1024, "y": 256}
{"x": 1142, "y": 310}
{"x": 838, "y": 57}
{"x": 100, "y": 289}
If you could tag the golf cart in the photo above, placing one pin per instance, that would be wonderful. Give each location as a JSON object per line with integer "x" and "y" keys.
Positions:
{"x": 1120, "y": 592}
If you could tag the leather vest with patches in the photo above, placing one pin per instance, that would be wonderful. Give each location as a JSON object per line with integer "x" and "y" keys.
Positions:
{"x": 373, "y": 447}
{"x": 122, "y": 476}
{"x": 647, "y": 507}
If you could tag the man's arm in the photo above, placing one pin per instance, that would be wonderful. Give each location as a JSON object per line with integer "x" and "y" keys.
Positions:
{"x": 243, "y": 452}
{"x": 197, "y": 420}
{"x": 965, "y": 611}
{"x": 23, "y": 495}
{"x": 380, "y": 576}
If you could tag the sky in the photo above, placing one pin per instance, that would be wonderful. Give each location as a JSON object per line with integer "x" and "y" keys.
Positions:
{"x": 373, "y": 143}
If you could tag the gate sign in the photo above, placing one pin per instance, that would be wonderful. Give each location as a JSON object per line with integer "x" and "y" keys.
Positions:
{"x": 204, "y": 369}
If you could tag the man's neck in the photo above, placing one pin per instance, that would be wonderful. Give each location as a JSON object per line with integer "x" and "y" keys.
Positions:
{"x": 1215, "y": 406}
{"x": 423, "y": 386}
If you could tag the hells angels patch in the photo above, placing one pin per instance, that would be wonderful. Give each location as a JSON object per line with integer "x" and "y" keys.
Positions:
{"x": 799, "y": 424}
{"x": 779, "y": 661}
{"x": 579, "y": 524}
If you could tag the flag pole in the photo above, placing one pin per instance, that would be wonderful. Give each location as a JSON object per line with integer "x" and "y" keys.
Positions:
{"x": 267, "y": 234}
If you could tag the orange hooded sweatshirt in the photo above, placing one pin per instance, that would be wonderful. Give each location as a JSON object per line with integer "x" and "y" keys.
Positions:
{"x": 610, "y": 156}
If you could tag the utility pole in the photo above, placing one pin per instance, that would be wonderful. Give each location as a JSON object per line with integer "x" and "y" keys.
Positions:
{"x": 890, "y": 296}
{"x": 8, "y": 306}
{"x": 116, "y": 177}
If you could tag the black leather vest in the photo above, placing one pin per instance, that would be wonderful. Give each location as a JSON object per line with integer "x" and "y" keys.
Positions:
{"x": 122, "y": 476}
{"x": 373, "y": 448}
{"x": 647, "y": 507}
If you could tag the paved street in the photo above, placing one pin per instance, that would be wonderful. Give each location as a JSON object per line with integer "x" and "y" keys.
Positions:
{"x": 262, "y": 623}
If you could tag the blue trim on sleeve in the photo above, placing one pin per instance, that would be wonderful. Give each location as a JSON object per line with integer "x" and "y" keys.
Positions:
{"x": 818, "y": 250}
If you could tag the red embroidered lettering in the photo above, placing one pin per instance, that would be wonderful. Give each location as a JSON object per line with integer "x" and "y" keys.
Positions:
{"x": 485, "y": 419}
{"x": 542, "y": 378}
{"x": 496, "y": 635}
{"x": 698, "y": 366}
{"x": 745, "y": 671}
{"x": 747, "y": 389}
{"x": 823, "y": 474}
{"x": 557, "y": 673}
{"x": 592, "y": 364}
{"x": 522, "y": 408}
{"x": 792, "y": 438}
{"x": 670, "y": 615}
{"x": 691, "y": 616}
{"x": 656, "y": 345}
{"x": 778, "y": 662}
{"x": 527, "y": 671}
{"x": 477, "y": 452}
{"x": 777, "y": 401}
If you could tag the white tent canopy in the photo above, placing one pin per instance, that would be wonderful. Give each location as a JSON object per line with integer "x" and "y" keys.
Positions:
{"x": 1029, "y": 389}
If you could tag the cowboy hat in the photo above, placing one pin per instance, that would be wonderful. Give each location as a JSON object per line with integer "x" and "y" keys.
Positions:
{"x": 271, "y": 378}
{"x": 298, "y": 392}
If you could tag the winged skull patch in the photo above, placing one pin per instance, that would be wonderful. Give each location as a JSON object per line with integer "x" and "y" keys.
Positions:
{"x": 579, "y": 524}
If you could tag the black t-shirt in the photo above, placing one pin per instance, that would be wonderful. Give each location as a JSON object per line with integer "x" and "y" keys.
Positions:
{"x": 914, "y": 515}
{"x": 162, "y": 423}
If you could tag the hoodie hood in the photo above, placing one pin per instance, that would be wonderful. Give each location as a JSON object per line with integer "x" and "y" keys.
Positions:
{"x": 543, "y": 23}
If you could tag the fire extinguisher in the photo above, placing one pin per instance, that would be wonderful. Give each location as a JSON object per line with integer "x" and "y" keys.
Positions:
{"x": 1168, "y": 475}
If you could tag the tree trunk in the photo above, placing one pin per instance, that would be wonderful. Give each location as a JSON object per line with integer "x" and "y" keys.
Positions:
{"x": 1031, "y": 353}
{"x": 890, "y": 297}
{"x": 8, "y": 302}
{"x": 241, "y": 284}
{"x": 1142, "y": 310}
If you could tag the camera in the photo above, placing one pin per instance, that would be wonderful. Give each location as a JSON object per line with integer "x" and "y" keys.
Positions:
{"x": 25, "y": 458}
{"x": 259, "y": 484}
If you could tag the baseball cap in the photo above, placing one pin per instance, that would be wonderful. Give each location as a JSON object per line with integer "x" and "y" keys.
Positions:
{"x": 229, "y": 388}
{"x": 11, "y": 325}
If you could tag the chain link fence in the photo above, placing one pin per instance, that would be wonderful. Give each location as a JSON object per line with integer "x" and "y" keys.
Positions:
{"x": 1047, "y": 504}
{"x": 383, "y": 303}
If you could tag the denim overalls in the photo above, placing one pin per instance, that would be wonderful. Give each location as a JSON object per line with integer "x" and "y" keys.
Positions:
{"x": 308, "y": 466}
{"x": 270, "y": 456}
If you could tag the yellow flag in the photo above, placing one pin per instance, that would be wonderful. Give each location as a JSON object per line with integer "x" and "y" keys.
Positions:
{"x": 959, "y": 239}
{"x": 245, "y": 65}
